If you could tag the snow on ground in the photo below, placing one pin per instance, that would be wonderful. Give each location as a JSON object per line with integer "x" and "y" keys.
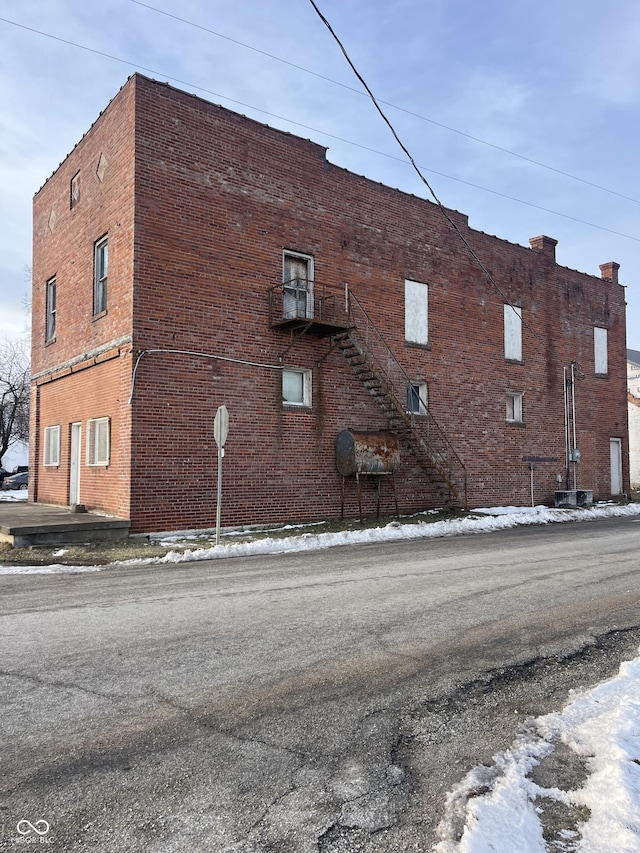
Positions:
{"x": 499, "y": 808}
{"x": 482, "y": 520}
{"x": 14, "y": 495}
{"x": 486, "y": 520}
{"x": 54, "y": 569}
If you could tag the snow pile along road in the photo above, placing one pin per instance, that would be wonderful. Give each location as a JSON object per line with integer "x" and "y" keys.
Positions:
{"x": 481, "y": 521}
{"x": 501, "y": 808}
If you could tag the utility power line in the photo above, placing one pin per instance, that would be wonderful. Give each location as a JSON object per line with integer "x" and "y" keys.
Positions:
{"x": 138, "y": 66}
{"x": 389, "y": 104}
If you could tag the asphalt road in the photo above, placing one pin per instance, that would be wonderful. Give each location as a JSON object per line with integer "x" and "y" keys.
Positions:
{"x": 307, "y": 702}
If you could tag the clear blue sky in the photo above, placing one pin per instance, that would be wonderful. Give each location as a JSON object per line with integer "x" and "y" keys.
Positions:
{"x": 555, "y": 83}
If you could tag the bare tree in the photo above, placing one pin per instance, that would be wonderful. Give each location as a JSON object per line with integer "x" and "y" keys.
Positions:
{"x": 14, "y": 393}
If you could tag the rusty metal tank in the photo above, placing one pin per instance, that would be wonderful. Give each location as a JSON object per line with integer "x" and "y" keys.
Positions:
{"x": 367, "y": 452}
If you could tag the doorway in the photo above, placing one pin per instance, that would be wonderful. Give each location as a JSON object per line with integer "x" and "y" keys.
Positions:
{"x": 74, "y": 464}
{"x": 615, "y": 450}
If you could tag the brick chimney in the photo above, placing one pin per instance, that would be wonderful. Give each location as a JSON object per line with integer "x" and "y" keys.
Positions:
{"x": 609, "y": 271}
{"x": 546, "y": 245}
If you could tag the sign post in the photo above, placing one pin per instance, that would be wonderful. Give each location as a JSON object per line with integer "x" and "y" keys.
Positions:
{"x": 220, "y": 432}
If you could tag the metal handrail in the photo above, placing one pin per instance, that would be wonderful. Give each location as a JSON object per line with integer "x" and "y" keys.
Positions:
{"x": 309, "y": 300}
{"x": 396, "y": 383}
{"x": 315, "y": 302}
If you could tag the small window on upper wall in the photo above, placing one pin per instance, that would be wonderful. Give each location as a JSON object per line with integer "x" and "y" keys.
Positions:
{"x": 416, "y": 312}
{"x": 50, "y": 330}
{"x": 74, "y": 190}
{"x": 100, "y": 273}
{"x": 514, "y": 407}
{"x": 513, "y": 333}
{"x": 98, "y": 441}
{"x": 296, "y": 387}
{"x": 600, "y": 346}
{"x": 52, "y": 446}
{"x": 417, "y": 398}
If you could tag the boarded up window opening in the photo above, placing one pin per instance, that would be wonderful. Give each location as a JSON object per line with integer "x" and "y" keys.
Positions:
{"x": 600, "y": 341}
{"x": 416, "y": 312}
{"x": 513, "y": 332}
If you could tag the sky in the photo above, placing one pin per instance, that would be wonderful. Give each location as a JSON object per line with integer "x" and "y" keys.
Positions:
{"x": 522, "y": 116}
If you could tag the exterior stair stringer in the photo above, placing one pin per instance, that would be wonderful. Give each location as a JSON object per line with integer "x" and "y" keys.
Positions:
{"x": 386, "y": 380}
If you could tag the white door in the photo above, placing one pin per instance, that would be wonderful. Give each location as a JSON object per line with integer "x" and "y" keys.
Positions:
{"x": 615, "y": 445}
{"x": 74, "y": 467}
{"x": 297, "y": 288}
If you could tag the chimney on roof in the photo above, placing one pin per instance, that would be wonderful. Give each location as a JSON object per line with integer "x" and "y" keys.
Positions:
{"x": 546, "y": 245}
{"x": 609, "y": 271}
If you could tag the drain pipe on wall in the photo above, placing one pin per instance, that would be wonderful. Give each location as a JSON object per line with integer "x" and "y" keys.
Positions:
{"x": 532, "y": 466}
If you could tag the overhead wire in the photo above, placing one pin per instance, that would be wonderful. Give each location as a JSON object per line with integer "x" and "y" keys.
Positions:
{"x": 154, "y": 71}
{"x": 440, "y": 205}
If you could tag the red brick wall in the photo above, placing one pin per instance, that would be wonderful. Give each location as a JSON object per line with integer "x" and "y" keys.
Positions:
{"x": 64, "y": 390}
{"x": 93, "y": 390}
{"x": 218, "y": 198}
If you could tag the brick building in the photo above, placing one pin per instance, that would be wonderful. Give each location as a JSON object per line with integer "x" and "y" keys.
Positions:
{"x": 187, "y": 257}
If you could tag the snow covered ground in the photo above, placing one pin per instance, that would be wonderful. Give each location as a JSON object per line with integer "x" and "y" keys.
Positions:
{"x": 482, "y": 520}
{"x": 499, "y": 809}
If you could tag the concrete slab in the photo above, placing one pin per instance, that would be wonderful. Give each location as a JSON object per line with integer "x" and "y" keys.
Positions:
{"x": 23, "y": 524}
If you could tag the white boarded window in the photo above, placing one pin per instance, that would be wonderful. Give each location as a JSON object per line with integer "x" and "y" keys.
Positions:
{"x": 514, "y": 407}
{"x": 416, "y": 312}
{"x": 98, "y": 441}
{"x": 600, "y": 350}
{"x": 513, "y": 333}
{"x": 296, "y": 387}
{"x": 52, "y": 446}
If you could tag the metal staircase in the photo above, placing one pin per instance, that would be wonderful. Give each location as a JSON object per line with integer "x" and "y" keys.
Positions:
{"x": 386, "y": 380}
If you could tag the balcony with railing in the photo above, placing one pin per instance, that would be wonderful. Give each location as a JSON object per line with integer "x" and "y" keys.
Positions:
{"x": 301, "y": 304}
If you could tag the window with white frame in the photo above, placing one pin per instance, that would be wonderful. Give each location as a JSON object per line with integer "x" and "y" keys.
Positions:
{"x": 514, "y": 407}
{"x": 98, "y": 441}
{"x": 513, "y": 333}
{"x": 296, "y": 387}
{"x": 600, "y": 345}
{"x": 100, "y": 274}
{"x": 50, "y": 331}
{"x": 417, "y": 398}
{"x": 52, "y": 446}
{"x": 416, "y": 312}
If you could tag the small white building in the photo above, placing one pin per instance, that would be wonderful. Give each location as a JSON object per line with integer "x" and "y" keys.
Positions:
{"x": 633, "y": 398}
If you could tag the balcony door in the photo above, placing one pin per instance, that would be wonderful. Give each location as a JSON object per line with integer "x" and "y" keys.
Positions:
{"x": 297, "y": 286}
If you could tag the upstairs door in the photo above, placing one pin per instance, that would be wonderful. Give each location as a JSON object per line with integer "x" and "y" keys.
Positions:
{"x": 297, "y": 286}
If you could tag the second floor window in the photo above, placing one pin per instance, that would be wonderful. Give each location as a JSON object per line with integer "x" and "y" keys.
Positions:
{"x": 513, "y": 333}
{"x": 416, "y": 312}
{"x": 100, "y": 273}
{"x": 600, "y": 351}
{"x": 50, "y": 332}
